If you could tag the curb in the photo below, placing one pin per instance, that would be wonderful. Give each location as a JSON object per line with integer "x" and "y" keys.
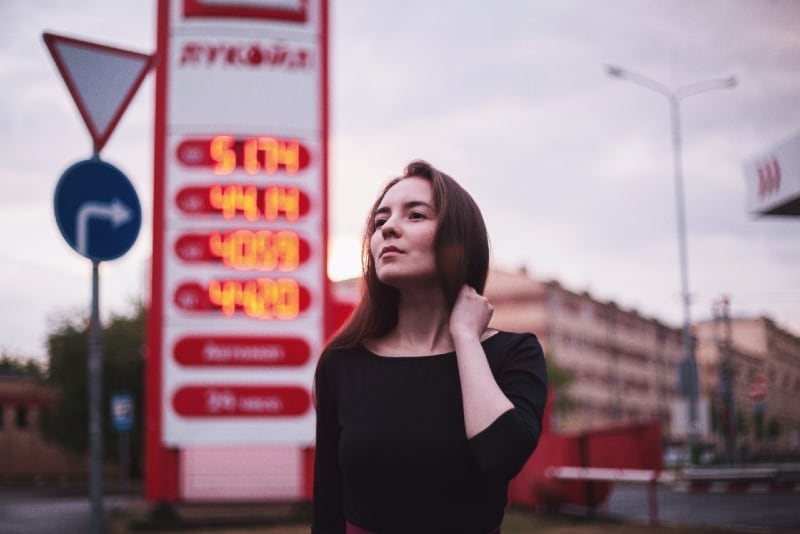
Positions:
{"x": 735, "y": 486}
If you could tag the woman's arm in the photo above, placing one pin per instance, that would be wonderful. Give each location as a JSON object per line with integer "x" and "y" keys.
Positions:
{"x": 327, "y": 504}
{"x": 481, "y": 396}
{"x": 502, "y": 409}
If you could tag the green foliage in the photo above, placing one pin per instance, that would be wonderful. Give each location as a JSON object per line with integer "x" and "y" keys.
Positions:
{"x": 758, "y": 424}
{"x": 713, "y": 412}
{"x": 741, "y": 425}
{"x": 773, "y": 428}
{"x": 19, "y": 366}
{"x": 559, "y": 380}
{"x": 121, "y": 341}
{"x": 67, "y": 347}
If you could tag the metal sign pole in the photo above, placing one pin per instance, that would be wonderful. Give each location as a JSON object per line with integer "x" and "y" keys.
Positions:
{"x": 96, "y": 206}
{"x": 95, "y": 367}
{"x": 124, "y": 459}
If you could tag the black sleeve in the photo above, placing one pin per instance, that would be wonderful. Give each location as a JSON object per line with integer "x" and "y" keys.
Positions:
{"x": 502, "y": 448}
{"x": 327, "y": 505}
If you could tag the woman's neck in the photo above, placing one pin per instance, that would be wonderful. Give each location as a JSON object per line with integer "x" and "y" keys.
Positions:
{"x": 422, "y": 324}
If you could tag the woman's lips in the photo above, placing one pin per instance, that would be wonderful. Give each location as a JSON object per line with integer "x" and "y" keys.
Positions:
{"x": 390, "y": 250}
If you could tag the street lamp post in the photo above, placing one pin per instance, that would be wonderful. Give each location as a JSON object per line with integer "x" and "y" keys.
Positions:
{"x": 688, "y": 373}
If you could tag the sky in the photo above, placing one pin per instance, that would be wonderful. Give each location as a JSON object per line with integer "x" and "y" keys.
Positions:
{"x": 571, "y": 168}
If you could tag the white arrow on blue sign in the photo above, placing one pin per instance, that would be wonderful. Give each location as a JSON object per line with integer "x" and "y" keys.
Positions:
{"x": 97, "y": 210}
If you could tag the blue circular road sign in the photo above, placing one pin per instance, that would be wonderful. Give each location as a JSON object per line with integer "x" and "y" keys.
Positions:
{"x": 97, "y": 210}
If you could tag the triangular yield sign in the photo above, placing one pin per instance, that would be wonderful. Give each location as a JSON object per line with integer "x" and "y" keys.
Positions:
{"x": 101, "y": 79}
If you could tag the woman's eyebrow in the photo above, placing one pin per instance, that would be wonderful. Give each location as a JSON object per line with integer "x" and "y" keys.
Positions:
{"x": 408, "y": 205}
{"x": 417, "y": 203}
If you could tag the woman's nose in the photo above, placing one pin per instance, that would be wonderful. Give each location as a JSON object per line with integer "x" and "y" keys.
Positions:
{"x": 389, "y": 227}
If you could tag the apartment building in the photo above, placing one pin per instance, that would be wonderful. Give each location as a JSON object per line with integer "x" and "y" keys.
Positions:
{"x": 764, "y": 363}
{"x": 624, "y": 363}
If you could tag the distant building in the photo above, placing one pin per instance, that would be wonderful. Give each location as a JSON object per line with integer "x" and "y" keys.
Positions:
{"x": 765, "y": 377}
{"x": 24, "y": 454}
{"x": 624, "y": 363}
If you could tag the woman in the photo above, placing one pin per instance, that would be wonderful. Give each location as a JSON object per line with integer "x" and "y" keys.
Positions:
{"x": 423, "y": 413}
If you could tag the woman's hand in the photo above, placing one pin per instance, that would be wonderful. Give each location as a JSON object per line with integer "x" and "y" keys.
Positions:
{"x": 471, "y": 314}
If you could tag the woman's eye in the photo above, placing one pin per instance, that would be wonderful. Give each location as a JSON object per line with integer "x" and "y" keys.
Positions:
{"x": 415, "y": 215}
{"x": 379, "y": 223}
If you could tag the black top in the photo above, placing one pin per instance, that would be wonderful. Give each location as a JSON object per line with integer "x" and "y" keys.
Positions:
{"x": 392, "y": 454}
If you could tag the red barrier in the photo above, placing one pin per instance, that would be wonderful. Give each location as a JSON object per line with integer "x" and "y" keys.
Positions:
{"x": 630, "y": 446}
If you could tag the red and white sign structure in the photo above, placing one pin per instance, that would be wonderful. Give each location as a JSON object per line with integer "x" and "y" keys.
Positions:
{"x": 772, "y": 180}
{"x": 239, "y": 290}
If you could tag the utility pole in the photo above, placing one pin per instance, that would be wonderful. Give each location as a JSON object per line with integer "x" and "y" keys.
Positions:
{"x": 687, "y": 369}
{"x": 727, "y": 415}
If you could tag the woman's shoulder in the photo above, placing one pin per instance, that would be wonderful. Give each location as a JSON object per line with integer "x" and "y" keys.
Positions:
{"x": 335, "y": 356}
{"x": 339, "y": 352}
{"x": 504, "y": 344}
{"x": 506, "y": 337}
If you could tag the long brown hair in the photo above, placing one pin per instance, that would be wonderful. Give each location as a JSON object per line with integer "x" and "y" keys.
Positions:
{"x": 462, "y": 257}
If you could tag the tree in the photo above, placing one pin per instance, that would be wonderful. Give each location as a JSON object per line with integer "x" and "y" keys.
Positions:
{"x": 559, "y": 379}
{"x": 758, "y": 424}
{"x": 19, "y": 366}
{"x": 741, "y": 425}
{"x": 121, "y": 343}
{"x": 713, "y": 411}
{"x": 773, "y": 429}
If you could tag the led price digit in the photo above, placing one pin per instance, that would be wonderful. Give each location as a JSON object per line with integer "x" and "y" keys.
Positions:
{"x": 276, "y": 200}
{"x": 279, "y": 200}
{"x": 264, "y": 250}
{"x": 262, "y": 298}
{"x": 258, "y": 154}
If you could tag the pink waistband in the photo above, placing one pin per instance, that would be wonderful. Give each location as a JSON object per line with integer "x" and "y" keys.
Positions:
{"x": 352, "y": 529}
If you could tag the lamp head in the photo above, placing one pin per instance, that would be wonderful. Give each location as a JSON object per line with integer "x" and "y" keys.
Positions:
{"x": 613, "y": 70}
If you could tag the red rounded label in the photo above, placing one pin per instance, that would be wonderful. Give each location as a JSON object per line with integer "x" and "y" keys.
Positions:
{"x": 241, "y": 351}
{"x": 241, "y": 401}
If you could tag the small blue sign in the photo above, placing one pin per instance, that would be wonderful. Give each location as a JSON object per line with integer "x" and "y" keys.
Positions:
{"x": 122, "y": 411}
{"x": 97, "y": 210}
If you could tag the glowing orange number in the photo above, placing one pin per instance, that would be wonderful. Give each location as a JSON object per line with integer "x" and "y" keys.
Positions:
{"x": 263, "y": 250}
{"x": 225, "y": 295}
{"x": 222, "y": 153}
{"x": 280, "y": 199}
{"x": 291, "y": 157}
{"x": 270, "y": 153}
{"x": 287, "y": 245}
{"x": 231, "y": 199}
{"x": 262, "y": 298}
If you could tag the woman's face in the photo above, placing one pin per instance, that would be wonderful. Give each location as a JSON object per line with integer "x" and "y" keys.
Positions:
{"x": 405, "y": 227}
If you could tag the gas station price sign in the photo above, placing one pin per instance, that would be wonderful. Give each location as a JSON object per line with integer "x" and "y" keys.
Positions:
{"x": 245, "y": 255}
{"x": 240, "y": 223}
